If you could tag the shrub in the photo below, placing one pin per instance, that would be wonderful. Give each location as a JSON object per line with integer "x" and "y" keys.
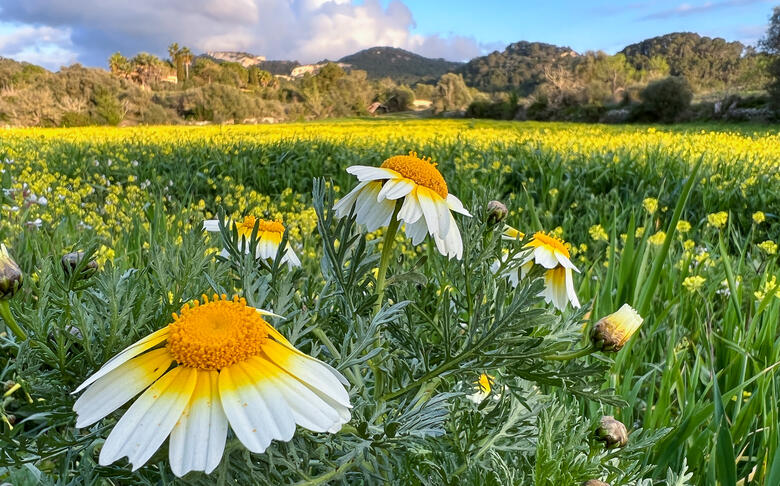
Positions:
{"x": 665, "y": 100}
{"x": 75, "y": 119}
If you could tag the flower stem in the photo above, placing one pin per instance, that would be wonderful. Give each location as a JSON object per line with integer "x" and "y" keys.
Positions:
{"x": 577, "y": 353}
{"x": 384, "y": 262}
{"x": 5, "y": 313}
{"x": 387, "y": 254}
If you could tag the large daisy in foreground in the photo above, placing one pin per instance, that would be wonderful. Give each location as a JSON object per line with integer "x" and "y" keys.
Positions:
{"x": 269, "y": 238}
{"x": 551, "y": 253}
{"x": 426, "y": 203}
{"x": 218, "y": 363}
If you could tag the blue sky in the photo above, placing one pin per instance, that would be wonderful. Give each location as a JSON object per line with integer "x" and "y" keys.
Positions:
{"x": 56, "y": 32}
{"x": 594, "y": 25}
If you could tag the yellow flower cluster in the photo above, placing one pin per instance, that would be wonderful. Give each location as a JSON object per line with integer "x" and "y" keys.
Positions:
{"x": 598, "y": 233}
{"x": 650, "y": 204}
{"x": 718, "y": 220}
{"x": 693, "y": 283}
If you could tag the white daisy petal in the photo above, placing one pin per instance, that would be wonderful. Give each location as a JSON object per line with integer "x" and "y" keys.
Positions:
{"x": 198, "y": 439}
{"x": 344, "y": 205}
{"x": 429, "y": 209}
{"x": 457, "y": 206}
{"x": 312, "y": 373}
{"x": 445, "y": 216}
{"x": 291, "y": 258}
{"x": 545, "y": 257}
{"x": 571, "y": 294}
{"x": 396, "y": 189}
{"x": 307, "y": 408}
{"x": 287, "y": 344}
{"x": 366, "y": 173}
{"x": 417, "y": 231}
{"x": 564, "y": 261}
{"x": 410, "y": 209}
{"x": 255, "y": 410}
{"x": 150, "y": 419}
{"x": 211, "y": 225}
{"x": 128, "y": 353}
{"x": 120, "y": 385}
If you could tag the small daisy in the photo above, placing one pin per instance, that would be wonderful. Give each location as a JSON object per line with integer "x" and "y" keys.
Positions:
{"x": 551, "y": 253}
{"x": 612, "y": 332}
{"x": 218, "y": 363}
{"x": 269, "y": 237}
{"x": 482, "y": 389}
{"x": 426, "y": 207}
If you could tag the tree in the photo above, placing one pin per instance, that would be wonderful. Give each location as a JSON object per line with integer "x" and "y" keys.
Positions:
{"x": 119, "y": 65}
{"x": 174, "y": 52}
{"x": 186, "y": 58}
{"x": 146, "y": 68}
{"x": 665, "y": 100}
{"x": 451, "y": 93}
{"x": 771, "y": 44}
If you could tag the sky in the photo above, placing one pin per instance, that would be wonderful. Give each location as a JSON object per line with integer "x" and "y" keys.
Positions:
{"x": 55, "y": 33}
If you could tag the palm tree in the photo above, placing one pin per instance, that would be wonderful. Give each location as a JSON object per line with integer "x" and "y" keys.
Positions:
{"x": 118, "y": 65}
{"x": 186, "y": 57}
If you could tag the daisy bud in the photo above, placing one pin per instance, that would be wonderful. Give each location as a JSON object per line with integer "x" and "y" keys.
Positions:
{"x": 611, "y": 432}
{"x": 71, "y": 261}
{"x": 594, "y": 482}
{"x": 10, "y": 275}
{"x": 613, "y": 331}
{"x": 497, "y": 212}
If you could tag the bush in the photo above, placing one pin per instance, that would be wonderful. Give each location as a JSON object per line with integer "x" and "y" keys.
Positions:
{"x": 496, "y": 110}
{"x": 75, "y": 119}
{"x": 108, "y": 110}
{"x": 664, "y": 100}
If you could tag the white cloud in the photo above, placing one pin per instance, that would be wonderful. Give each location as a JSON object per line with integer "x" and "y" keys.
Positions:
{"x": 304, "y": 30}
{"x": 46, "y": 46}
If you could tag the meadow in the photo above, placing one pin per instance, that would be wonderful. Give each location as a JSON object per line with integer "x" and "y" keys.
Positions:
{"x": 681, "y": 222}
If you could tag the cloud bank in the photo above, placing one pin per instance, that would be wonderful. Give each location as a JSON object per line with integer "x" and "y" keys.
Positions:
{"x": 88, "y": 31}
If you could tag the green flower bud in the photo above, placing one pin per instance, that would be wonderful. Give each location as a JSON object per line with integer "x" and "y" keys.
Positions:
{"x": 497, "y": 212}
{"x": 10, "y": 275}
{"x": 611, "y": 432}
{"x": 71, "y": 261}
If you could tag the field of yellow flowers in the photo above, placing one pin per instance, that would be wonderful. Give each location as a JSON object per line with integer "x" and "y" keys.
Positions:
{"x": 681, "y": 222}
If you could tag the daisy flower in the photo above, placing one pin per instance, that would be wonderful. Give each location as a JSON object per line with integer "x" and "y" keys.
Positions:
{"x": 612, "y": 332}
{"x": 269, "y": 237}
{"x": 482, "y": 389}
{"x": 218, "y": 363}
{"x": 426, "y": 206}
{"x": 551, "y": 253}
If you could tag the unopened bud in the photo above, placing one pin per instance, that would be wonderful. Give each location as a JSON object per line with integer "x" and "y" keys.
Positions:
{"x": 11, "y": 277}
{"x": 497, "y": 212}
{"x": 11, "y": 419}
{"x": 612, "y": 432}
{"x": 613, "y": 331}
{"x": 594, "y": 482}
{"x": 71, "y": 261}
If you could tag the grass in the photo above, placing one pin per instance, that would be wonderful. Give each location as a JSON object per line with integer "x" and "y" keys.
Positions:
{"x": 703, "y": 366}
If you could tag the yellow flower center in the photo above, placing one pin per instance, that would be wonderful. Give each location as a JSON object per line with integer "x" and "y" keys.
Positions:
{"x": 421, "y": 171}
{"x": 245, "y": 227}
{"x": 549, "y": 241}
{"x": 216, "y": 334}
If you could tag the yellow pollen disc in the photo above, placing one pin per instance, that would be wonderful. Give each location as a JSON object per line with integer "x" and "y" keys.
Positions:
{"x": 245, "y": 227}
{"x": 551, "y": 242}
{"x": 421, "y": 171}
{"x": 216, "y": 334}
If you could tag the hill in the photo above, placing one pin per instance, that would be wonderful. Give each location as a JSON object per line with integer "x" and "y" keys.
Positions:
{"x": 704, "y": 61}
{"x": 398, "y": 64}
{"x": 244, "y": 58}
{"x": 520, "y": 67}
